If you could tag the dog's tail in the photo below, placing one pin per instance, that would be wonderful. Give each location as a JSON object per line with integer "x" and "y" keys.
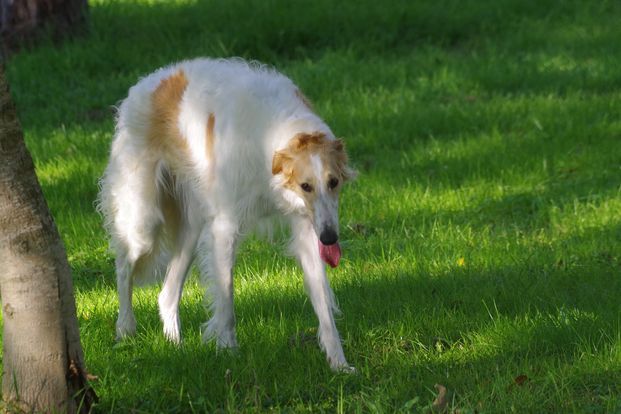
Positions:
{"x": 137, "y": 203}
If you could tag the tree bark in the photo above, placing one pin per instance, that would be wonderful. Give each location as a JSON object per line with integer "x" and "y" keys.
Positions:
{"x": 21, "y": 21}
{"x": 42, "y": 355}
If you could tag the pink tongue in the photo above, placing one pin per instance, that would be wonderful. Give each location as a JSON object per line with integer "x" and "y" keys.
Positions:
{"x": 330, "y": 254}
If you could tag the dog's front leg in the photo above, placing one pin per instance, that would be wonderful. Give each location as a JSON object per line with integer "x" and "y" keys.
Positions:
{"x": 304, "y": 245}
{"x": 217, "y": 250}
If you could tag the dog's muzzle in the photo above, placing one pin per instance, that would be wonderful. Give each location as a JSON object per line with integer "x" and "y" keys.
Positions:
{"x": 328, "y": 236}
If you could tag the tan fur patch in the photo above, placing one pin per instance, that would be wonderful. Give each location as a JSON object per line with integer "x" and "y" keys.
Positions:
{"x": 211, "y": 122}
{"x": 332, "y": 152}
{"x": 164, "y": 133}
{"x": 166, "y": 139}
{"x": 301, "y": 143}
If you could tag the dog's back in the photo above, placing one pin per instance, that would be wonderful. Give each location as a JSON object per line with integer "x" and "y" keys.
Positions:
{"x": 206, "y": 124}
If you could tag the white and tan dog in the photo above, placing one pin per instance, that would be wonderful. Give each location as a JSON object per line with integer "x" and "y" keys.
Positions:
{"x": 204, "y": 150}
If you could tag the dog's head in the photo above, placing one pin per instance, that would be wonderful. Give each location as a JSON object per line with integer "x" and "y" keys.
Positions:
{"x": 310, "y": 172}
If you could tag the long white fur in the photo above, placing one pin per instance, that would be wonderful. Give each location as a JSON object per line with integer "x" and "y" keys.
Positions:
{"x": 257, "y": 111}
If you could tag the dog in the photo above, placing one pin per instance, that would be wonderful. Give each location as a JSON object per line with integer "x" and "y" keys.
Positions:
{"x": 204, "y": 152}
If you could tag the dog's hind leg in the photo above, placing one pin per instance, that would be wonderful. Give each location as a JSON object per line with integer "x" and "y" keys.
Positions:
{"x": 133, "y": 258}
{"x": 217, "y": 248}
{"x": 305, "y": 246}
{"x": 126, "y": 322}
{"x": 176, "y": 274}
{"x": 128, "y": 200}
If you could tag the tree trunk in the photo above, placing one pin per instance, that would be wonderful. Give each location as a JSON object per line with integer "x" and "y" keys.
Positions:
{"x": 42, "y": 355}
{"x": 21, "y": 21}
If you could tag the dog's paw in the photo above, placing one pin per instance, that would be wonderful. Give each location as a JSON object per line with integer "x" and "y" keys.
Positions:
{"x": 225, "y": 338}
{"x": 345, "y": 369}
{"x": 340, "y": 365}
{"x": 172, "y": 330}
{"x": 125, "y": 326}
{"x": 170, "y": 319}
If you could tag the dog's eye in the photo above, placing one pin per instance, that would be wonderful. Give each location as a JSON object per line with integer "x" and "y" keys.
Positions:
{"x": 306, "y": 187}
{"x": 332, "y": 183}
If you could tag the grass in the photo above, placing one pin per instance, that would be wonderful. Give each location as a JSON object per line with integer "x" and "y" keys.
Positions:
{"x": 482, "y": 240}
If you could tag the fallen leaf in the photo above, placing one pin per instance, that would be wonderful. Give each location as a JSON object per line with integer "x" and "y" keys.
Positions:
{"x": 520, "y": 379}
{"x": 92, "y": 377}
{"x": 440, "y": 404}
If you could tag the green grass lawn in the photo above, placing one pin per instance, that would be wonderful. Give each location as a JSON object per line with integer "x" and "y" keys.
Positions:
{"x": 482, "y": 240}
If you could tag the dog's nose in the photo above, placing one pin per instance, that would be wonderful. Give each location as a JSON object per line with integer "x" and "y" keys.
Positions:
{"x": 328, "y": 237}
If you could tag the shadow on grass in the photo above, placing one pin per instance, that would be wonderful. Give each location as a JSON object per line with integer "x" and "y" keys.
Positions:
{"x": 396, "y": 326}
{"x": 128, "y": 40}
{"x": 292, "y": 30}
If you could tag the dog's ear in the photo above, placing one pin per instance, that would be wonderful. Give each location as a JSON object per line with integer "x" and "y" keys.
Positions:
{"x": 303, "y": 140}
{"x": 338, "y": 145}
{"x": 342, "y": 160}
{"x": 278, "y": 161}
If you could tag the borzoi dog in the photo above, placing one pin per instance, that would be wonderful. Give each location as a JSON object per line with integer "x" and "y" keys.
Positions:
{"x": 203, "y": 151}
